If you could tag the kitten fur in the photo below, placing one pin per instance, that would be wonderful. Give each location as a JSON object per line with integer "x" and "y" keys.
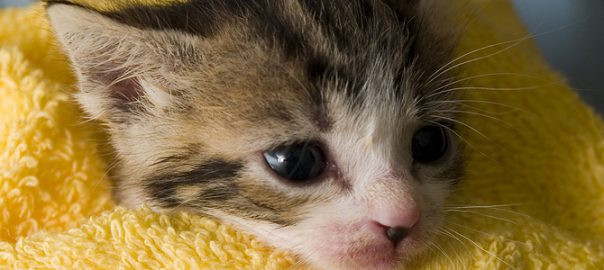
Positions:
{"x": 193, "y": 93}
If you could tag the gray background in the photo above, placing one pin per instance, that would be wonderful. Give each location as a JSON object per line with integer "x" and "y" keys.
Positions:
{"x": 573, "y": 41}
{"x": 569, "y": 32}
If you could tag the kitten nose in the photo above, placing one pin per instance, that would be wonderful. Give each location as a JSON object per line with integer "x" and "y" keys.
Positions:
{"x": 396, "y": 234}
{"x": 395, "y": 225}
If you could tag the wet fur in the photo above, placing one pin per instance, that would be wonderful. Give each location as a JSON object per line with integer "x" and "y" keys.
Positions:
{"x": 192, "y": 94}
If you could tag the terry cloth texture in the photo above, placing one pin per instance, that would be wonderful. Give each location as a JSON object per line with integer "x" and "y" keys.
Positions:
{"x": 532, "y": 197}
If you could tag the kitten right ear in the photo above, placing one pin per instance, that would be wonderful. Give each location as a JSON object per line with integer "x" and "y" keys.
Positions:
{"x": 118, "y": 66}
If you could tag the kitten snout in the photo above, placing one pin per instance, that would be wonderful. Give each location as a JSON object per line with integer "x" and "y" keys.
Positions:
{"x": 396, "y": 223}
{"x": 369, "y": 244}
{"x": 377, "y": 231}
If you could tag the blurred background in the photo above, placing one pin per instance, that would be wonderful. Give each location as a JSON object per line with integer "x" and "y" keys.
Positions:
{"x": 14, "y": 2}
{"x": 573, "y": 42}
{"x": 569, "y": 32}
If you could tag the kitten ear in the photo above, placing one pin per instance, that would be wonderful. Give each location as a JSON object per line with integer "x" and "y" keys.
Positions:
{"x": 118, "y": 66}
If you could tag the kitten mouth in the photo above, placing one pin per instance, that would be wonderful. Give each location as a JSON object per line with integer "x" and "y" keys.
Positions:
{"x": 381, "y": 255}
{"x": 377, "y": 257}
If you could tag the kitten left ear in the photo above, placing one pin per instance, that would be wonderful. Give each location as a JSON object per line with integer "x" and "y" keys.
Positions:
{"x": 121, "y": 69}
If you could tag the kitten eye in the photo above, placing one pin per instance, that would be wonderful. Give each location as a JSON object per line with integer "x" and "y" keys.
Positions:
{"x": 297, "y": 162}
{"x": 429, "y": 144}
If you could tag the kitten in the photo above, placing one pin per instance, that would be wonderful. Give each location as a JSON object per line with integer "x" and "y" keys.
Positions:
{"x": 320, "y": 126}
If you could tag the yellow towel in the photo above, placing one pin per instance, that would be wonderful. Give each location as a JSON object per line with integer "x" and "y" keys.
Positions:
{"x": 534, "y": 149}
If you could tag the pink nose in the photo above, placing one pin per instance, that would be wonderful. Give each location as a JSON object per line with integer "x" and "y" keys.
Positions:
{"x": 395, "y": 224}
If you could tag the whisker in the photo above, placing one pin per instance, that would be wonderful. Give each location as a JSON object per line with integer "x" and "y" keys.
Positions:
{"x": 464, "y": 101}
{"x": 442, "y": 252}
{"x": 451, "y": 236}
{"x": 485, "y": 110}
{"x": 515, "y": 42}
{"x": 483, "y": 206}
{"x": 533, "y": 87}
{"x": 479, "y": 114}
{"x": 481, "y": 214}
{"x": 447, "y": 67}
{"x": 495, "y": 208}
{"x": 463, "y": 124}
{"x": 481, "y": 248}
{"x": 485, "y": 233}
{"x": 444, "y": 231}
{"x": 493, "y": 75}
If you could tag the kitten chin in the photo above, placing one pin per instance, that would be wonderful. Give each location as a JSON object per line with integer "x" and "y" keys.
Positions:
{"x": 322, "y": 127}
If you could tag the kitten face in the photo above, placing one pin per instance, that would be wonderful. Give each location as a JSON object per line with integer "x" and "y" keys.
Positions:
{"x": 315, "y": 125}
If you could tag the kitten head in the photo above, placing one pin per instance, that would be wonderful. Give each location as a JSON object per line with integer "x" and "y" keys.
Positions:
{"x": 319, "y": 126}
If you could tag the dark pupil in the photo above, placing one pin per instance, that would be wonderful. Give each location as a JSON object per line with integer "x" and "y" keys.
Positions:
{"x": 429, "y": 144}
{"x": 297, "y": 162}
